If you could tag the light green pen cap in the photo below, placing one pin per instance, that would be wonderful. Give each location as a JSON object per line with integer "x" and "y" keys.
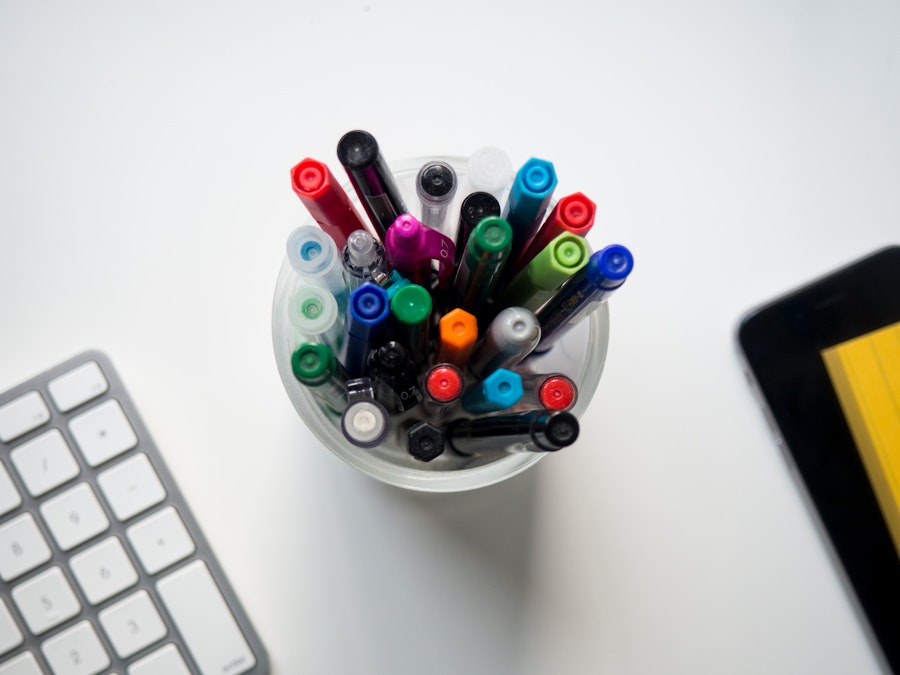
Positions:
{"x": 411, "y": 304}
{"x": 560, "y": 259}
{"x": 312, "y": 310}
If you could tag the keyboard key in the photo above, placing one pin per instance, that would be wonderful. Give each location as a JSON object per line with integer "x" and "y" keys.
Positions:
{"x": 76, "y": 651}
{"x": 10, "y": 635}
{"x": 202, "y": 617}
{"x": 103, "y": 432}
{"x": 160, "y": 540}
{"x": 23, "y": 664}
{"x": 74, "y": 516}
{"x": 78, "y": 386}
{"x": 132, "y": 624}
{"x": 21, "y": 415}
{"x": 103, "y": 570}
{"x": 164, "y": 661}
{"x": 44, "y": 462}
{"x": 22, "y": 547}
{"x": 46, "y": 600}
{"x": 131, "y": 487}
{"x": 9, "y": 495}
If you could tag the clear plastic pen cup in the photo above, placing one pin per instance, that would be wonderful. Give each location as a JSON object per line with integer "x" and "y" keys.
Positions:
{"x": 580, "y": 354}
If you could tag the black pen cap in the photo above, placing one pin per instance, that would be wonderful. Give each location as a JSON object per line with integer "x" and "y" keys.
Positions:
{"x": 558, "y": 430}
{"x": 476, "y": 207}
{"x": 357, "y": 149}
{"x": 436, "y": 181}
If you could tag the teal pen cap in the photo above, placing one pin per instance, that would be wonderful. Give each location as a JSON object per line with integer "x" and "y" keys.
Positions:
{"x": 500, "y": 390}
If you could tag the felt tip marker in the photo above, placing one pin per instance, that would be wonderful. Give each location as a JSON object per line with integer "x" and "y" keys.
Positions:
{"x": 370, "y": 176}
{"x": 411, "y": 246}
{"x": 365, "y": 423}
{"x": 458, "y": 334}
{"x": 363, "y": 260}
{"x": 314, "y": 256}
{"x": 583, "y": 292}
{"x": 490, "y": 170}
{"x": 547, "y": 271}
{"x": 500, "y": 390}
{"x": 573, "y": 214}
{"x": 436, "y": 186}
{"x": 479, "y": 270}
{"x": 313, "y": 312}
{"x": 550, "y": 391}
{"x": 315, "y": 367}
{"x": 394, "y": 377}
{"x": 411, "y": 318}
{"x": 424, "y": 441}
{"x": 529, "y": 197}
{"x": 442, "y": 387}
{"x": 325, "y": 200}
{"x": 530, "y": 431}
{"x": 474, "y": 208}
{"x": 367, "y": 315}
{"x": 511, "y": 336}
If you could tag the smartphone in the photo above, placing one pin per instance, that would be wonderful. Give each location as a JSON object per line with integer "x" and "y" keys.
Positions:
{"x": 825, "y": 361}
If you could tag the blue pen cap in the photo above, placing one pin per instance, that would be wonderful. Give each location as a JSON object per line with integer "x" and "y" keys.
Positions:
{"x": 531, "y": 189}
{"x": 500, "y": 390}
{"x": 369, "y": 304}
{"x": 610, "y": 266}
{"x": 310, "y": 251}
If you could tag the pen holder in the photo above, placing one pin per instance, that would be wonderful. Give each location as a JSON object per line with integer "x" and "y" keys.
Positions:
{"x": 580, "y": 354}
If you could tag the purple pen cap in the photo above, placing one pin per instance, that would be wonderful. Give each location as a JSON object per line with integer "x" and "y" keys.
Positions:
{"x": 408, "y": 234}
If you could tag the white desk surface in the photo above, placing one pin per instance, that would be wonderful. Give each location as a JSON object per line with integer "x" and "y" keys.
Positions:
{"x": 739, "y": 149}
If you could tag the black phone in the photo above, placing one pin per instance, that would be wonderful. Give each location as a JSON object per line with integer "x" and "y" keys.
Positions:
{"x": 825, "y": 360}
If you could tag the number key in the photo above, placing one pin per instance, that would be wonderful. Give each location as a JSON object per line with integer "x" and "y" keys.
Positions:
{"x": 76, "y": 651}
{"x": 22, "y": 547}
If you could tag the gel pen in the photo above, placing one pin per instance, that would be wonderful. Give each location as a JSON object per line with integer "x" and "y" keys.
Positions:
{"x": 474, "y": 208}
{"x": 530, "y": 431}
{"x": 314, "y": 256}
{"x": 367, "y": 315}
{"x": 538, "y": 281}
{"x": 314, "y": 313}
{"x": 511, "y": 336}
{"x": 365, "y": 422}
{"x": 363, "y": 260}
{"x": 315, "y": 367}
{"x": 435, "y": 185}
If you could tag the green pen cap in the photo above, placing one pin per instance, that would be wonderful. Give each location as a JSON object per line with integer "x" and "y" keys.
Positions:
{"x": 560, "y": 259}
{"x": 411, "y": 304}
{"x": 313, "y": 364}
{"x": 490, "y": 241}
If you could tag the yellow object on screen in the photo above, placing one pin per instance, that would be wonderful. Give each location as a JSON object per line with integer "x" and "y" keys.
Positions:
{"x": 865, "y": 372}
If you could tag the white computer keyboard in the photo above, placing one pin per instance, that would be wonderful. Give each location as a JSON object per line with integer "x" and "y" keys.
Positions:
{"x": 103, "y": 568}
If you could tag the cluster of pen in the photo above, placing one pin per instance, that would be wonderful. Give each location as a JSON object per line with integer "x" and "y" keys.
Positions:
{"x": 395, "y": 316}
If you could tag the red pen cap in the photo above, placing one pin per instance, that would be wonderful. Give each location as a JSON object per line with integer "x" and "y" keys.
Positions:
{"x": 326, "y": 201}
{"x": 557, "y": 392}
{"x": 444, "y": 383}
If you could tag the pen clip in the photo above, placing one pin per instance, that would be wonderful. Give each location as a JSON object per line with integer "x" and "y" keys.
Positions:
{"x": 409, "y": 242}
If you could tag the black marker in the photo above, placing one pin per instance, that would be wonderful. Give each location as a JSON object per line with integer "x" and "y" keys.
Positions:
{"x": 394, "y": 377}
{"x": 370, "y": 176}
{"x": 475, "y": 208}
{"x": 531, "y": 431}
{"x": 424, "y": 441}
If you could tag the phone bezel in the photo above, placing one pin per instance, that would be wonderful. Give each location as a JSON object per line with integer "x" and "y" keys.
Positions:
{"x": 781, "y": 344}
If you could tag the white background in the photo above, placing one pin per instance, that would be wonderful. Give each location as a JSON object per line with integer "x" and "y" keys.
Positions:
{"x": 738, "y": 148}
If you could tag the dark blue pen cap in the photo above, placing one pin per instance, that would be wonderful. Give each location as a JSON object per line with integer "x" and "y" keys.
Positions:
{"x": 369, "y": 303}
{"x": 610, "y": 266}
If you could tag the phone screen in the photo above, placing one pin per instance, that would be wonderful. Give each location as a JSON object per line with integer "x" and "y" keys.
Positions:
{"x": 865, "y": 373}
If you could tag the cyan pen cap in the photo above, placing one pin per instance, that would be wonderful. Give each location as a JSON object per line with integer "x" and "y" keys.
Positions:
{"x": 609, "y": 267}
{"x": 500, "y": 390}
